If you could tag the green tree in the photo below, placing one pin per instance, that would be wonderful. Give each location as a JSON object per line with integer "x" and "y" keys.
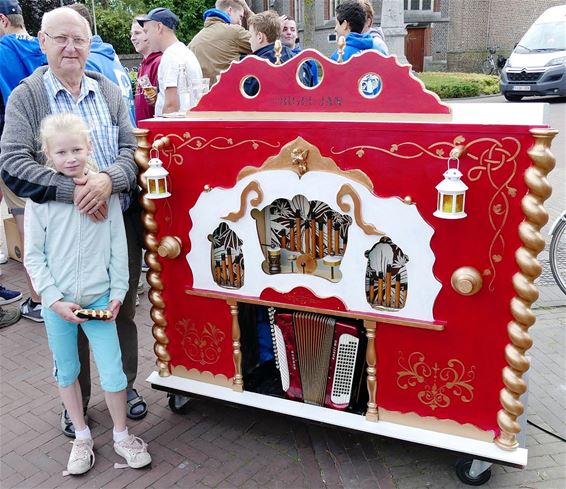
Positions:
{"x": 114, "y": 17}
{"x": 33, "y": 11}
{"x": 189, "y": 13}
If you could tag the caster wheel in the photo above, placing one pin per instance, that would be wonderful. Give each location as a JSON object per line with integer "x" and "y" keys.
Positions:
{"x": 179, "y": 404}
{"x": 463, "y": 467}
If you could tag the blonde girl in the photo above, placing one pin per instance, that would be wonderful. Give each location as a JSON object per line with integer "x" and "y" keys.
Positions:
{"x": 77, "y": 263}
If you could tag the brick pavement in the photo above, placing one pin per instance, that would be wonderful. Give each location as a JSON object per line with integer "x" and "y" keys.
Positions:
{"x": 224, "y": 446}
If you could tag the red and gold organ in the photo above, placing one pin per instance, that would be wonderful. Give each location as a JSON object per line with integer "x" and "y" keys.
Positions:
{"x": 315, "y": 216}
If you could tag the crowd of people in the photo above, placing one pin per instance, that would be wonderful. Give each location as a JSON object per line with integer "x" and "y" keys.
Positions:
{"x": 68, "y": 177}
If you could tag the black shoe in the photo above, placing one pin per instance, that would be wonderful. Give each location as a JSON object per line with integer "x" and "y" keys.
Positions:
{"x": 67, "y": 426}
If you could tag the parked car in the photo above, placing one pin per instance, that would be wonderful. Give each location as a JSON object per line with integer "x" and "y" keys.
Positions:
{"x": 537, "y": 65}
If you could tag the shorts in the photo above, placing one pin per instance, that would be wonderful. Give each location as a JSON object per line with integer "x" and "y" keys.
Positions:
{"x": 103, "y": 338}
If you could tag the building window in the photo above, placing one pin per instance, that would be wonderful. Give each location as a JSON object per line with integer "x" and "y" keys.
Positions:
{"x": 418, "y": 4}
{"x": 330, "y": 9}
{"x": 297, "y": 7}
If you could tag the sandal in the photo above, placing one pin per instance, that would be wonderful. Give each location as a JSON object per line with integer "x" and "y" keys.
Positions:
{"x": 135, "y": 401}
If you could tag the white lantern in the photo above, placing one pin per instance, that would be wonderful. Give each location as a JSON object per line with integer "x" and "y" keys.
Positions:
{"x": 156, "y": 180}
{"x": 451, "y": 194}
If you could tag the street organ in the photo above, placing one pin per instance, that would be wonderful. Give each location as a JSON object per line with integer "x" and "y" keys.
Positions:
{"x": 357, "y": 253}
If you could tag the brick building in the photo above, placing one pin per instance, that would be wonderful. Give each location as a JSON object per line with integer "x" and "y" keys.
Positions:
{"x": 448, "y": 35}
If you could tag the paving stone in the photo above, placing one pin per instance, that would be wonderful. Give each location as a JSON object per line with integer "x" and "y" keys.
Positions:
{"x": 240, "y": 447}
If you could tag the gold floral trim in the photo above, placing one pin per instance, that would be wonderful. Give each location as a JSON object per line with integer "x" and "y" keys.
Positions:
{"x": 437, "y": 384}
{"x": 201, "y": 345}
{"x": 198, "y": 143}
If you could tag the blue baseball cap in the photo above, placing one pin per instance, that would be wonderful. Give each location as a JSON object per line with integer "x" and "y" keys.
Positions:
{"x": 163, "y": 15}
{"x": 9, "y": 7}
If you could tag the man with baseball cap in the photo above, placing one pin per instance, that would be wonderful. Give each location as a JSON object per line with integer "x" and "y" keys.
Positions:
{"x": 159, "y": 26}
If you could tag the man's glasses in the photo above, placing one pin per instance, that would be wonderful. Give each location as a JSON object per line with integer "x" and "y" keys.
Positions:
{"x": 78, "y": 42}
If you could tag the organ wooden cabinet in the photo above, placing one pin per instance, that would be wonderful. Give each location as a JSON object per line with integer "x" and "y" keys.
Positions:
{"x": 304, "y": 264}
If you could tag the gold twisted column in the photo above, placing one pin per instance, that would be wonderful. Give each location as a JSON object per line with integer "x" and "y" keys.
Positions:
{"x": 141, "y": 157}
{"x": 530, "y": 269}
{"x": 371, "y": 360}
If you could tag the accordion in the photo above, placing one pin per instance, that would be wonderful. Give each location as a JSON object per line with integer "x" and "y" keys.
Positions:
{"x": 320, "y": 359}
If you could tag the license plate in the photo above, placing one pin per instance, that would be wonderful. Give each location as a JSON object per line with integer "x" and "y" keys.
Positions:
{"x": 522, "y": 88}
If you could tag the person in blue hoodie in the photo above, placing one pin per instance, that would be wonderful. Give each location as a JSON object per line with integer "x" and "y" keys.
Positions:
{"x": 103, "y": 59}
{"x": 265, "y": 29}
{"x": 20, "y": 55}
{"x": 350, "y": 22}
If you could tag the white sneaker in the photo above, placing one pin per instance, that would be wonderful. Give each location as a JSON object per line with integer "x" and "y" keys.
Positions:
{"x": 81, "y": 459}
{"x": 134, "y": 450}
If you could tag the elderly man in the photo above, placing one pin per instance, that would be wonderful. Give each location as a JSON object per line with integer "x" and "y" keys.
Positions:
{"x": 63, "y": 86}
{"x": 222, "y": 39}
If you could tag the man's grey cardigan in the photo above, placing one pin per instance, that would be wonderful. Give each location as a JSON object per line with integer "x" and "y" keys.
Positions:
{"x": 22, "y": 163}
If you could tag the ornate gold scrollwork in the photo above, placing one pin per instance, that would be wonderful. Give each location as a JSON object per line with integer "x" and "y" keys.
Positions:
{"x": 141, "y": 156}
{"x": 524, "y": 318}
{"x": 294, "y": 155}
{"x": 202, "y": 346}
{"x": 253, "y": 186}
{"x": 438, "y": 384}
{"x": 492, "y": 159}
{"x": 348, "y": 190}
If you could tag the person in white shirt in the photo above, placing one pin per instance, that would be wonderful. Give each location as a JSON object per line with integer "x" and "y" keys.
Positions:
{"x": 159, "y": 26}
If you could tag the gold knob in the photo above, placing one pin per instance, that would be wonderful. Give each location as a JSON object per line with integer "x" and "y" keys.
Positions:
{"x": 161, "y": 143}
{"x": 169, "y": 247}
{"x": 466, "y": 281}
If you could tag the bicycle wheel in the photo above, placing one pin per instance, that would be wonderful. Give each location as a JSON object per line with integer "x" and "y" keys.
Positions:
{"x": 558, "y": 255}
{"x": 487, "y": 67}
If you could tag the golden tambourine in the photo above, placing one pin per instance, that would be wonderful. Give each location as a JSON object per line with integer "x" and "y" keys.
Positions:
{"x": 101, "y": 314}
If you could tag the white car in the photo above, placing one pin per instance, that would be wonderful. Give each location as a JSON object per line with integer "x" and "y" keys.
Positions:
{"x": 537, "y": 65}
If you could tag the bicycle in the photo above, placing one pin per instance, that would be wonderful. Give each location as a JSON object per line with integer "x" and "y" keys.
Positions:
{"x": 490, "y": 66}
{"x": 557, "y": 251}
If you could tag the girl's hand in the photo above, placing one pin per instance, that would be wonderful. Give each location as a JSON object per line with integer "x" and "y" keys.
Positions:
{"x": 66, "y": 311}
{"x": 114, "y": 308}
